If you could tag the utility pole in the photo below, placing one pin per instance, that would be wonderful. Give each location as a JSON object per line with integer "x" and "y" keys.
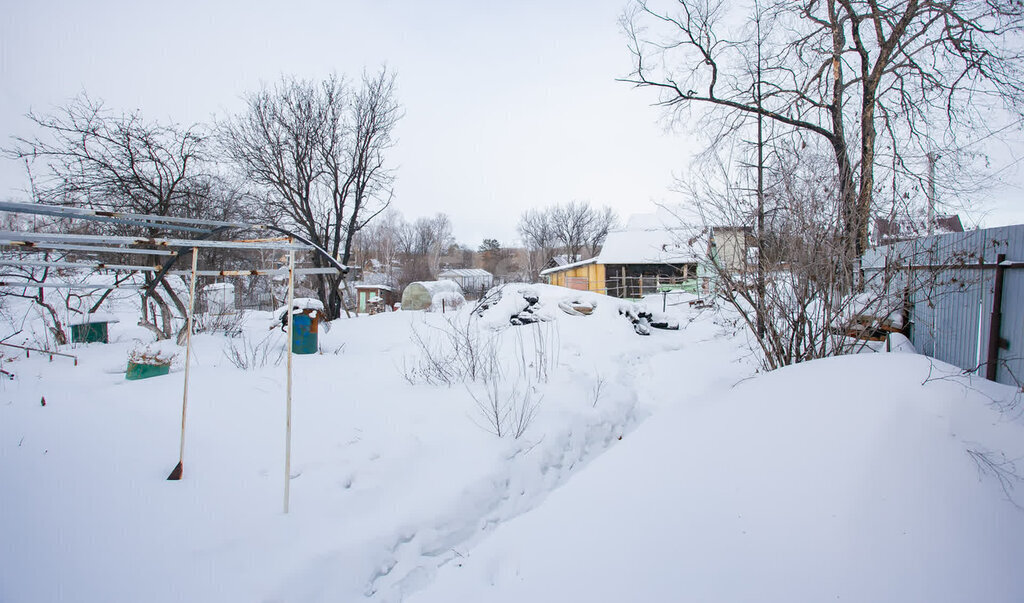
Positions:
{"x": 760, "y": 186}
{"x": 932, "y": 158}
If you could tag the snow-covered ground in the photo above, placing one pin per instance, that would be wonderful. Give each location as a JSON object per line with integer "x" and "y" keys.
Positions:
{"x": 844, "y": 479}
{"x": 647, "y": 473}
{"x": 391, "y": 476}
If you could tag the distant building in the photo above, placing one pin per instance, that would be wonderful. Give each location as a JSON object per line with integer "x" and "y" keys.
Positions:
{"x": 888, "y": 231}
{"x": 469, "y": 279}
{"x": 733, "y": 248}
{"x": 562, "y": 260}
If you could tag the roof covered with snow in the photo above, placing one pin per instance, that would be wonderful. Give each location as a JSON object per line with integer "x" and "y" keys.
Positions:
{"x": 648, "y": 239}
{"x": 464, "y": 272}
{"x": 562, "y": 260}
{"x": 373, "y": 286}
{"x": 911, "y": 227}
{"x": 567, "y": 266}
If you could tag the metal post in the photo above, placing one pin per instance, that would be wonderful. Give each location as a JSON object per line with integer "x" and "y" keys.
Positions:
{"x": 288, "y": 404}
{"x": 931, "y": 192}
{"x": 995, "y": 326}
{"x": 177, "y": 472}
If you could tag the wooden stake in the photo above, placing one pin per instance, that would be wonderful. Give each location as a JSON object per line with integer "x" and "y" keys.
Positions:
{"x": 288, "y": 404}
{"x": 179, "y": 469}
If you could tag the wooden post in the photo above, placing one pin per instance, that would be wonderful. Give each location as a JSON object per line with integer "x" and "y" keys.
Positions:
{"x": 177, "y": 472}
{"x": 625, "y": 289}
{"x": 995, "y": 340}
{"x": 288, "y": 402}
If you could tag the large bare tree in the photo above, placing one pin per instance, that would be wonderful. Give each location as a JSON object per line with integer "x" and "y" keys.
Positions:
{"x": 314, "y": 155}
{"x": 538, "y": 237}
{"x": 87, "y": 155}
{"x": 575, "y": 228}
{"x": 883, "y": 83}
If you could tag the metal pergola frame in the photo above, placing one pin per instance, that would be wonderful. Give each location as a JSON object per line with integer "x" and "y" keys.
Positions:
{"x": 172, "y": 249}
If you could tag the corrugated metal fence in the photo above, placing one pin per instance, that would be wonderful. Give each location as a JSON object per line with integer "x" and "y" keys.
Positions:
{"x": 964, "y": 296}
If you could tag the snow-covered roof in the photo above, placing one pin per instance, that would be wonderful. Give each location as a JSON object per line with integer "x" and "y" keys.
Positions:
{"x": 435, "y": 287}
{"x": 910, "y": 227}
{"x": 96, "y": 317}
{"x": 464, "y": 272}
{"x": 564, "y": 259}
{"x": 567, "y": 266}
{"x": 657, "y": 245}
{"x": 373, "y": 286}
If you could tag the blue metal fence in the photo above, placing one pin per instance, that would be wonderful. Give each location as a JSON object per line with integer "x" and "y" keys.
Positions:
{"x": 952, "y": 284}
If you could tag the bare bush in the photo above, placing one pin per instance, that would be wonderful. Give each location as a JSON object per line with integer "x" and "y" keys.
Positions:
{"x": 247, "y": 354}
{"x": 505, "y": 394}
{"x": 457, "y": 355}
{"x": 538, "y": 351}
{"x": 227, "y": 323}
{"x": 505, "y": 409}
{"x": 794, "y": 295}
{"x": 598, "y": 389}
{"x": 997, "y": 465}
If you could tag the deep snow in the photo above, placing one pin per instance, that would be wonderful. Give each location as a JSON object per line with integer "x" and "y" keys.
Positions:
{"x": 390, "y": 479}
{"x": 844, "y": 477}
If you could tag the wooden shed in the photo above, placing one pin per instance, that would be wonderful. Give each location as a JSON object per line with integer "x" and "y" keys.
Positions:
{"x": 371, "y": 298}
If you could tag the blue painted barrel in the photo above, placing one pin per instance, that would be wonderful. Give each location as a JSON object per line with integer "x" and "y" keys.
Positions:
{"x": 304, "y": 336}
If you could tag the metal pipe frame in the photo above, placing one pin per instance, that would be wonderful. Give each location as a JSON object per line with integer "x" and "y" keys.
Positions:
{"x": 30, "y": 247}
{"x": 96, "y": 266}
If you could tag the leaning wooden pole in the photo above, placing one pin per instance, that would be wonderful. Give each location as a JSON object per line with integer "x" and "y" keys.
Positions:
{"x": 288, "y": 403}
{"x": 177, "y": 471}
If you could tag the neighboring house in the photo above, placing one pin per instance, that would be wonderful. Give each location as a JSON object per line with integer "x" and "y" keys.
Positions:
{"x": 470, "y": 279}
{"x": 635, "y": 261}
{"x": 733, "y": 248}
{"x": 888, "y": 231}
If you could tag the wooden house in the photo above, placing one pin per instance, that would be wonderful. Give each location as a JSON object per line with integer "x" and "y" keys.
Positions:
{"x": 639, "y": 260}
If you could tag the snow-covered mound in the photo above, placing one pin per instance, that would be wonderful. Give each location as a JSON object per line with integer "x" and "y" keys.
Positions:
{"x": 878, "y": 477}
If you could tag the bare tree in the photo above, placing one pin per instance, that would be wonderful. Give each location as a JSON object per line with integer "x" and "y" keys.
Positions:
{"x": 795, "y": 303}
{"x": 314, "y": 154}
{"x": 572, "y": 223}
{"x": 422, "y": 244}
{"x": 377, "y": 246}
{"x": 907, "y": 73}
{"x": 604, "y": 221}
{"x": 87, "y": 155}
{"x": 572, "y": 228}
{"x": 538, "y": 237}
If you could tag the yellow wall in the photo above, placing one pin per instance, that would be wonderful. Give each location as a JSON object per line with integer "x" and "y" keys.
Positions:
{"x": 594, "y": 273}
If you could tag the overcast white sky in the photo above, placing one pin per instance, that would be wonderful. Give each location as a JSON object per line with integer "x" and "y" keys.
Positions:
{"x": 508, "y": 105}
